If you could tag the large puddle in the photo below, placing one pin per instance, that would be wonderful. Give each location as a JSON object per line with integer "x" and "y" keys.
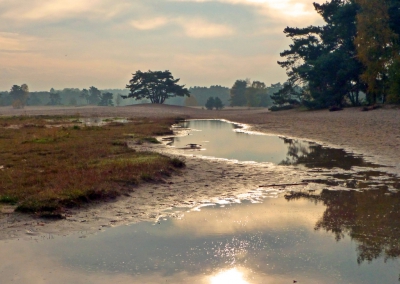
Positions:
{"x": 347, "y": 235}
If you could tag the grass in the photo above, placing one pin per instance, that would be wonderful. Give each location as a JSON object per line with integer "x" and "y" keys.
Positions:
{"x": 46, "y": 169}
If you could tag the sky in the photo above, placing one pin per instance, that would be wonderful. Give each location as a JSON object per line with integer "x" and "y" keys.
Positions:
{"x": 82, "y": 43}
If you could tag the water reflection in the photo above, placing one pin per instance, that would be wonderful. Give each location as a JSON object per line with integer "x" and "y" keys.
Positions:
{"x": 312, "y": 155}
{"x": 220, "y": 140}
{"x": 331, "y": 167}
{"x": 232, "y": 276}
{"x": 270, "y": 242}
{"x": 370, "y": 218}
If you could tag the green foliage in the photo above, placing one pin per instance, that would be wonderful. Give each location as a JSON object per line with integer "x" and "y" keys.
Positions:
{"x": 286, "y": 95}
{"x": 322, "y": 60}
{"x": 256, "y": 94}
{"x": 394, "y": 82}
{"x": 8, "y": 199}
{"x": 106, "y": 99}
{"x": 155, "y": 86}
{"x": 150, "y": 140}
{"x": 203, "y": 93}
{"x": 34, "y": 100}
{"x": 278, "y": 108}
{"x": 85, "y": 95}
{"x": 94, "y": 96}
{"x": 19, "y": 95}
{"x": 238, "y": 93}
{"x": 73, "y": 102}
{"x": 55, "y": 99}
{"x": 210, "y": 104}
{"x": 376, "y": 46}
{"x": 218, "y": 103}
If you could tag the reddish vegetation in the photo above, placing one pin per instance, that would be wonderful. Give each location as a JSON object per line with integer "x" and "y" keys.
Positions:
{"x": 52, "y": 162}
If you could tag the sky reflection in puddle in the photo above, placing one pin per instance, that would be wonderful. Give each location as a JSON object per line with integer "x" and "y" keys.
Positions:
{"x": 270, "y": 242}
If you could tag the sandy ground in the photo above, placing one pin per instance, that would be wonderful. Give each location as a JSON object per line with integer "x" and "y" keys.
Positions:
{"x": 375, "y": 134}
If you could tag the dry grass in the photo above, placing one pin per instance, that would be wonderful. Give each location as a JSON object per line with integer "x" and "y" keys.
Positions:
{"x": 45, "y": 169}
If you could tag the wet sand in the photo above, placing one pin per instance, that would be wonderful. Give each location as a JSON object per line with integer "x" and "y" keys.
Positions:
{"x": 375, "y": 134}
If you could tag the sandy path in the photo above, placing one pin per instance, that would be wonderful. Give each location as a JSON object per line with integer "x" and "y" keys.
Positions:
{"x": 375, "y": 134}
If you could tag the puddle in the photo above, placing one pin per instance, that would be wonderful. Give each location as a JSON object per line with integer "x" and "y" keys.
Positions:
{"x": 227, "y": 140}
{"x": 331, "y": 238}
{"x": 335, "y": 168}
{"x": 339, "y": 224}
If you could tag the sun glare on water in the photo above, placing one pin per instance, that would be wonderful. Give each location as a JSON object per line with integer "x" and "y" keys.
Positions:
{"x": 231, "y": 276}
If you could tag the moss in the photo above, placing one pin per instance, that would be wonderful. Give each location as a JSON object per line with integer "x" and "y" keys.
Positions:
{"x": 150, "y": 140}
{"x": 8, "y": 199}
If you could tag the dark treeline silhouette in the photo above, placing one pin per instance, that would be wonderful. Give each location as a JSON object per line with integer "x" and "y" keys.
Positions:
{"x": 355, "y": 52}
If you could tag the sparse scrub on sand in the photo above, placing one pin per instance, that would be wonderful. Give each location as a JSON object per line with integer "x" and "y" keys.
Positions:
{"x": 47, "y": 163}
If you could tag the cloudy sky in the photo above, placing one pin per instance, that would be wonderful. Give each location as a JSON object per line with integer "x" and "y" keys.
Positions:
{"x": 80, "y": 43}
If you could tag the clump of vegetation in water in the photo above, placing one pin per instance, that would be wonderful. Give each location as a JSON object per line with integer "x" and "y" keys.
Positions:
{"x": 45, "y": 169}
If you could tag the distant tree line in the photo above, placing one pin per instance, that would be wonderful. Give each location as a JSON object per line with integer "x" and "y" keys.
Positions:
{"x": 252, "y": 94}
{"x": 200, "y": 95}
{"x": 356, "y": 51}
{"x": 20, "y": 96}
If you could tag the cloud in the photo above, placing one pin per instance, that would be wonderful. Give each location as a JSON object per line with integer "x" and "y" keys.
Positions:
{"x": 149, "y": 24}
{"x": 10, "y": 42}
{"x": 274, "y": 217}
{"x": 200, "y": 28}
{"x": 286, "y": 7}
{"x": 56, "y": 10}
{"x": 101, "y": 42}
{"x": 193, "y": 28}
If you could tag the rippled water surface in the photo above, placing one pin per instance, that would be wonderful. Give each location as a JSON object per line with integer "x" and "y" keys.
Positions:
{"x": 347, "y": 235}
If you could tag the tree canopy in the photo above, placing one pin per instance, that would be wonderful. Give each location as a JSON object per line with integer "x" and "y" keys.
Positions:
{"x": 376, "y": 45}
{"x": 106, "y": 99}
{"x": 238, "y": 93}
{"x": 19, "y": 95}
{"x": 156, "y": 86}
{"x": 94, "y": 96}
{"x": 355, "y": 51}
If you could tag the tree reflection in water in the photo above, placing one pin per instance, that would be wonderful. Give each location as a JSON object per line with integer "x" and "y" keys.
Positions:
{"x": 313, "y": 155}
{"x": 371, "y": 218}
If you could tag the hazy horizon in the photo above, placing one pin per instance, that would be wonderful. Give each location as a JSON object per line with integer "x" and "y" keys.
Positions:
{"x": 100, "y": 43}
